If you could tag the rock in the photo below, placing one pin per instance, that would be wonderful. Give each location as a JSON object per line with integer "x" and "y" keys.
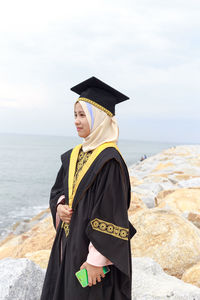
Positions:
{"x": 40, "y": 257}
{"x": 193, "y": 182}
{"x": 8, "y": 247}
{"x": 136, "y": 204}
{"x": 135, "y": 181}
{"x": 146, "y": 197}
{"x": 149, "y": 282}
{"x": 194, "y": 218}
{"x": 147, "y": 192}
{"x": 162, "y": 195}
{"x": 166, "y": 237}
{"x": 174, "y": 168}
{"x": 182, "y": 200}
{"x": 40, "y": 237}
{"x": 20, "y": 279}
{"x": 192, "y": 275}
{"x": 182, "y": 177}
{"x": 162, "y": 166}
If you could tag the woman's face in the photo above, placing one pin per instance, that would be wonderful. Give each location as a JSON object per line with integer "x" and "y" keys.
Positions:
{"x": 81, "y": 121}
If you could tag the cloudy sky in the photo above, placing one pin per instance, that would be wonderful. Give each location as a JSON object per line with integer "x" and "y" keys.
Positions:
{"x": 148, "y": 49}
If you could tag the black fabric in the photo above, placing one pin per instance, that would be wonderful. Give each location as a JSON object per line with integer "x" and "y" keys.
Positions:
{"x": 99, "y": 92}
{"x": 104, "y": 193}
{"x": 59, "y": 188}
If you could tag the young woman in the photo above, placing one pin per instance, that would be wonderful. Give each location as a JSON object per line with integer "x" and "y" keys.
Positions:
{"x": 89, "y": 203}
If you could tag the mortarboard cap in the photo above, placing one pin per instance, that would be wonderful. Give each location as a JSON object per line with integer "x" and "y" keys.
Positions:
{"x": 99, "y": 94}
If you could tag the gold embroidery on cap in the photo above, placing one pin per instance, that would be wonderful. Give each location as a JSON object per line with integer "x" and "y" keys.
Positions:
{"x": 109, "y": 228}
{"x": 97, "y": 105}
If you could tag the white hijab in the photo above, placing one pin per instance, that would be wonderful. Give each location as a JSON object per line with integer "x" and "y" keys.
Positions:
{"x": 103, "y": 128}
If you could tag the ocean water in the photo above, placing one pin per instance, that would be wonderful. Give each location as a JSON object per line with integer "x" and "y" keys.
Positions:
{"x": 28, "y": 168}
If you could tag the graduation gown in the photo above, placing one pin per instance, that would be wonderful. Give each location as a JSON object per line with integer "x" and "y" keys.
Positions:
{"x": 100, "y": 201}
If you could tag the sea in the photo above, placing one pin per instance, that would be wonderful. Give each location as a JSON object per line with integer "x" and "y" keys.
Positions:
{"x": 29, "y": 165}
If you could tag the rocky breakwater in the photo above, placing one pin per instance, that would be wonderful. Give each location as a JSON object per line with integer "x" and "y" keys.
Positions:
{"x": 166, "y": 213}
{"x": 166, "y": 187}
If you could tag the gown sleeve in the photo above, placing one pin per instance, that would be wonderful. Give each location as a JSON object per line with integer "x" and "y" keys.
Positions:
{"x": 56, "y": 191}
{"x": 95, "y": 258}
{"x": 108, "y": 228}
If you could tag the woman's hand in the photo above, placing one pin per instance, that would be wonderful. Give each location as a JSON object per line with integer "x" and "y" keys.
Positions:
{"x": 65, "y": 213}
{"x": 94, "y": 273}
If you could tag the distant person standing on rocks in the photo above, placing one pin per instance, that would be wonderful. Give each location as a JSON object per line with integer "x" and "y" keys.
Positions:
{"x": 143, "y": 157}
{"x": 89, "y": 203}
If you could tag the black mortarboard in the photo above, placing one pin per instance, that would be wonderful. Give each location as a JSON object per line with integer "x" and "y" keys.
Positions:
{"x": 99, "y": 94}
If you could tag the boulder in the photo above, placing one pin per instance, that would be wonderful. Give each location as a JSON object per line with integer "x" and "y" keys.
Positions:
{"x": 184, "y": 200}
{"x": 135, "y": 181}
{"x": 192, "y": 275}
{"x": 161, "y": 166}
{"x": 166, "y": 237}
{"x": 194, "y": 218}
{"x": 40, "y": 257}
{"x": 174, "y": 168}
{"x": 136, "y": 204}
{"x": 147, "y": 192}
{"x": 149, "y": 282}
{"x": 40, "y": 237}
{"x": 8, "y": 247}
{"x": 193, "y": 182}
{"x": 20, "y": 279}
{"x": 162, "y": 195}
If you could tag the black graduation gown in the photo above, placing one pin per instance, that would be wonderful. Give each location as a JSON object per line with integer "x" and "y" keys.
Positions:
{"x": 100, "y": 215}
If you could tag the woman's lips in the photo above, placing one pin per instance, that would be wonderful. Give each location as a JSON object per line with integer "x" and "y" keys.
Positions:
{"x": 78, "y": 128}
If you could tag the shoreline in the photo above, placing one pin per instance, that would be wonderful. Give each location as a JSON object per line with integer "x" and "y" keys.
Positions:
{"x": 23, "y": 226}
{"x": 165, "y": 209}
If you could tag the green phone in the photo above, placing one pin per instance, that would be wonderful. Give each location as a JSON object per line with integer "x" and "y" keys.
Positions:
{"x": 82, "y": 276}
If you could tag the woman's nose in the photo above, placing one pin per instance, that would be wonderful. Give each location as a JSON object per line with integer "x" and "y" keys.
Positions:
{"x": 77, "y": 121}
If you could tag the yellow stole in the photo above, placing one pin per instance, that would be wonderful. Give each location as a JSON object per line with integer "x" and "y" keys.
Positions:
{"x": 72, "y": 167}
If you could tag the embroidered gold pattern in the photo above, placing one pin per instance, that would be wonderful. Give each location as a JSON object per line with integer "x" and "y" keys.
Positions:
{"x": 65, "y": 226}
{"x": 97, "y": 105}
{"x": 83, "y": 171}
{"x": 109, "y": 228}
{"x": 82, "y": 159}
